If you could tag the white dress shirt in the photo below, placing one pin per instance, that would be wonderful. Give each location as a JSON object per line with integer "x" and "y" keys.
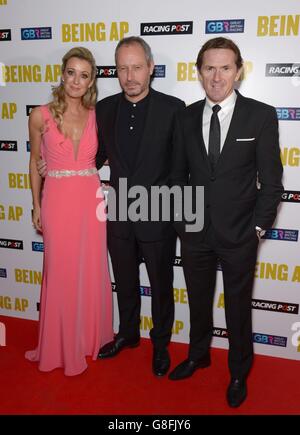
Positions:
{"x": 225, "y": 115}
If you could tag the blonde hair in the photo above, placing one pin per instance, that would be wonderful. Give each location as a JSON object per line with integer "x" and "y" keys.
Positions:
{"x": 58, "y": 105}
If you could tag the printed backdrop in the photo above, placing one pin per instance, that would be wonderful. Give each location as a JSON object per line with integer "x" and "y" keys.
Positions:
{"x": 35, "y": 34}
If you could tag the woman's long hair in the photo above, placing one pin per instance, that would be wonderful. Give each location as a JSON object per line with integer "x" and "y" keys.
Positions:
{"x": 58, "y": 105}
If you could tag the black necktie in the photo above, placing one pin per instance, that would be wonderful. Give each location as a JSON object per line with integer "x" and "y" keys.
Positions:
{"x": 214, "y": 142}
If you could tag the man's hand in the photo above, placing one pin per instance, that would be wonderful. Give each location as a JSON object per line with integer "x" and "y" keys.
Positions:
{"x": 42, "y": 168}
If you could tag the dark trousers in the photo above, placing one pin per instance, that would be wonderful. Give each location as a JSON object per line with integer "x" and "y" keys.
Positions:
{"x": 238, "y": 266}
{"x": 159, "y": 259}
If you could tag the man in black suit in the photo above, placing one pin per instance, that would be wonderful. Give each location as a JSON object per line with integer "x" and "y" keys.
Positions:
{"x": 226, "y": 143}
{"x": 136, "y": 135}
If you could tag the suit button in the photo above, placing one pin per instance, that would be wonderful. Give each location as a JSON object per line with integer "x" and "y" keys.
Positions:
{"x": 212, "y": 178}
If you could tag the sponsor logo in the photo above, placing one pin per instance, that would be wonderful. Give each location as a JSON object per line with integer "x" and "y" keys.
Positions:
{"x": 3, "y": 273}
{"x": 37, "y": 246}
{"x": 281, "y": 234}
{"x": 159, "y": 71}
{"x": 29, "y": 108}
{"x": 145, "y": 291}
{"x": 291, "y": 196}
{"x": 278, "y": 25}
{"x": 30, "y": 33}
{"x": 177, "y": 261}
{"x": 108, "y": 72}
{"x": 8, "y": 145}
{"x": 282, "y": 69}
{"x": 225, "y": 26}
{"x": 168, "y": 28}
{"x": 288, "y": 113}
{"x": 5, "y": 35}
{"x": 280, "y": 307}
{"x": 220, "y": 332}
{"x": 273, "y": 340}
{"x": 11, "y": 244}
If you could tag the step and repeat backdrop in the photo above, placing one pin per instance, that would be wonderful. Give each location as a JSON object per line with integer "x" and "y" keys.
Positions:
{"x": 35, "y": 34}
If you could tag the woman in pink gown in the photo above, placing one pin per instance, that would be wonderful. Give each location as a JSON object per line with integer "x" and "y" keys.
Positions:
{"x": 76, "y": 296}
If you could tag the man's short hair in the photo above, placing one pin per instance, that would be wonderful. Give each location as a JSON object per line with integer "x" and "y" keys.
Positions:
{"x": 220, "y": 42}
{"x": 131, "y": 40}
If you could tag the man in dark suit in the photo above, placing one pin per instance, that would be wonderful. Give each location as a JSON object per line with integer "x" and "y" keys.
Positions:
{"x": 226, "y": 143}
{"x": 136, "y": 135}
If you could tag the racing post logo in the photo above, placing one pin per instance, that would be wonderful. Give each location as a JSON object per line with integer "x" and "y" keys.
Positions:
{"x": 168, "y": 28}
{"x": 5, "y": 35}
{"x": 106, "y": 72}
{"x": 8, "y": 145}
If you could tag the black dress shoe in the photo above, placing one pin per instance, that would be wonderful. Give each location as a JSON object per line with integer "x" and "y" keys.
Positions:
{"x": 188, "y": 367}
{"x": 236, "y": 392}
{"x": 160, "y": 362}
{"x": 114, "y": 347}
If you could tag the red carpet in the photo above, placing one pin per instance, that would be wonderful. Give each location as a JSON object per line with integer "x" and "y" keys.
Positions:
{"x": 125, "y": 384}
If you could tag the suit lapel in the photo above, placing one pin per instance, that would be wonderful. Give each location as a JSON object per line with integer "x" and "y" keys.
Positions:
{"x": 196, "y": 127}
{"x": 239, "y": 118}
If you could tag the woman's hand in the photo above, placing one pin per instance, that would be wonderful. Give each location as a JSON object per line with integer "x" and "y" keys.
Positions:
{"x": 36, "y": 219}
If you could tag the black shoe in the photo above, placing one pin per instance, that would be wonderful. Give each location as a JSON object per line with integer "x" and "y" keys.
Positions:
{"x": 114, "y": 347}
{"x": 236, "y": 392}
{"x": 188, "y": 367}
{"x": 160, "y": 362}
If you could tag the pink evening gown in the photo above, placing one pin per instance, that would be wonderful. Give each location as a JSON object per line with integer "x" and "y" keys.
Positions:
{"x": 76, "y": 296}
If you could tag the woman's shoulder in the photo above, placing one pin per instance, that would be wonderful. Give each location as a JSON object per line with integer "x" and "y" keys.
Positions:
{"x": 39, "y": 117}
{"x": 36, "y": 116}
{"x": 39, "y": 111}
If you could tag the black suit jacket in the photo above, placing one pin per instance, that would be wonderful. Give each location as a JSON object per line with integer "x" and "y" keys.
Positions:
{"x": 153, "y": 162}
{"x": 233, "y": 203}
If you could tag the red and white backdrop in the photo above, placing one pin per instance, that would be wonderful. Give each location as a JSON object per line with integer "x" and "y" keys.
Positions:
{"x": 33, "y": 38}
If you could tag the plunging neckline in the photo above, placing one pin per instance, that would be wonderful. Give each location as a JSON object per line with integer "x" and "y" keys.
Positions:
{"x": 67, "y": 137}
{"x": 83, "y": 133}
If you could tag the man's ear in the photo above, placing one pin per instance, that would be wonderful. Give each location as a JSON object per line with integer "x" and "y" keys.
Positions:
{"x": 151, "y": 67}
{"x": 239, "y": 74}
